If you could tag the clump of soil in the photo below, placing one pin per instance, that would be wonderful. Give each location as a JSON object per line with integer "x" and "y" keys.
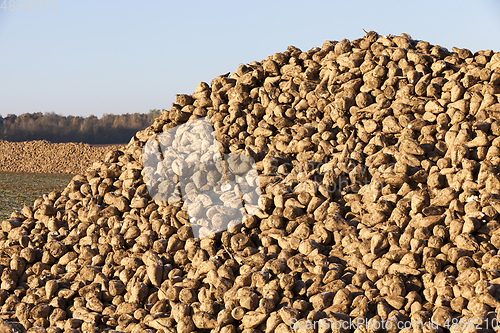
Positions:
{"x": 46, "y": 157}
{"x": 378, "y": 166}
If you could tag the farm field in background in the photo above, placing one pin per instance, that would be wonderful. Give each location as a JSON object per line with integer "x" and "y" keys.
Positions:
{"x": 17, "y": 189}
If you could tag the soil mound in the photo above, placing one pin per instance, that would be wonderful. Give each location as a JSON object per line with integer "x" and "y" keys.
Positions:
{"x": 46, "y": 157}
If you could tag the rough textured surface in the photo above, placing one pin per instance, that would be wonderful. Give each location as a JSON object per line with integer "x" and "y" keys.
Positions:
{"x": 46, "y": 157}
{"x": 378, "y": 162}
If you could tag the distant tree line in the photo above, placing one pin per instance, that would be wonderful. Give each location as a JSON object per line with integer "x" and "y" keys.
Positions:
{"x": 52, "y": 127}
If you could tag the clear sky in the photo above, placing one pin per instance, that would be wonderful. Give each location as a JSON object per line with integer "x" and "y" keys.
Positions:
{"x": 96, "y": 57}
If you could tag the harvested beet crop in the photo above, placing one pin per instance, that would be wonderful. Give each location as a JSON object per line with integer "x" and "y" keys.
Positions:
{"x": 377, "y": 202}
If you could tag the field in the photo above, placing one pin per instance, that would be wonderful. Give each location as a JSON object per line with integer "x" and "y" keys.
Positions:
{"x": 17, "y": 189}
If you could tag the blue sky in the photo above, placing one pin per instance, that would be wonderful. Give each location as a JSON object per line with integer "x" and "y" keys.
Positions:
{"x": 97, "y": 57}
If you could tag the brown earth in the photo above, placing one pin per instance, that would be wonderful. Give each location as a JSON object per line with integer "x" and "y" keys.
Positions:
{"x": 46, "y": 157}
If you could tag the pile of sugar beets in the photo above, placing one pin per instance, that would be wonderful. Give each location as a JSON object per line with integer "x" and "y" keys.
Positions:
{"x": 378, "y": 164}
